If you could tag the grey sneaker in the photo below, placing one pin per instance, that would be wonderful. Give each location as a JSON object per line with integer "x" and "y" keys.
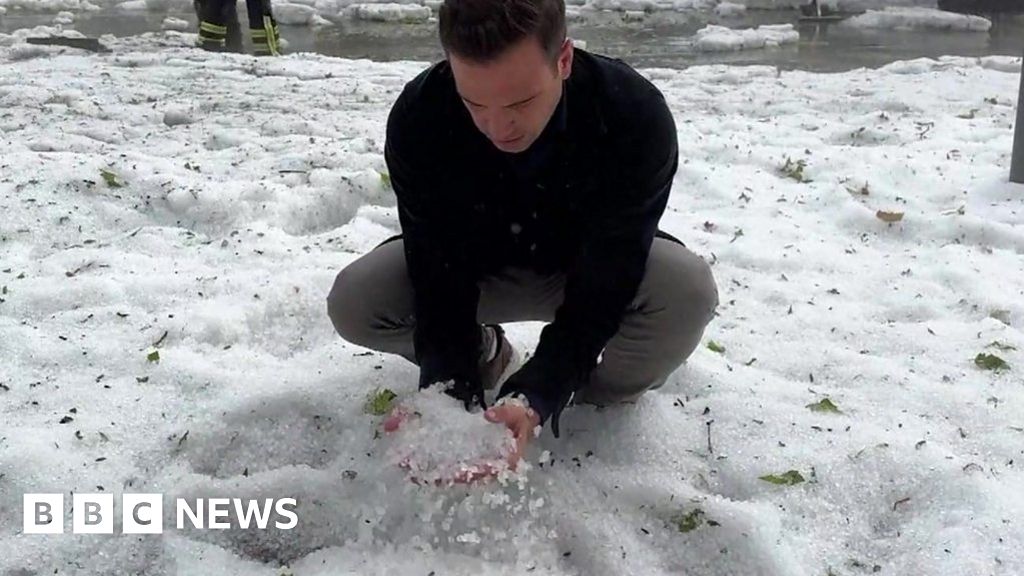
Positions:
{"x": 500, "y": 359}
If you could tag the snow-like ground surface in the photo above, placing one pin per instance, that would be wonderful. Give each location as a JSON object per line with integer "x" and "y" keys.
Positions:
{"x": 919, "y": 19}
{"x": 843, "y": 5}
{"x": 721, "y": 39}
{"x": 236, "y": 188}
{"x": 418, "y": 10}
{"x": 391, "y": 12}
{"x": 730, "y": 9}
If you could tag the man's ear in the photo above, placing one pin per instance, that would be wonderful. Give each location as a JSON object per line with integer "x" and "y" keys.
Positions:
{"x": 565, "y": 59}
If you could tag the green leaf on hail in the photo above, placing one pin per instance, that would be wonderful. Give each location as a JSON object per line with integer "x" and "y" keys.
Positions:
{"x": 791, "y": 478}
{"x": 825, "y": 405}
{"x": 380, "y": 402}
{"x": 110, "y": 178}
{"x": 690, "y": 521}
{"x": 990, "y": 362}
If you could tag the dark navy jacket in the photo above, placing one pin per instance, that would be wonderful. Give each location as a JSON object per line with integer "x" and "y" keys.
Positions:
{"x": 585, "y": 199}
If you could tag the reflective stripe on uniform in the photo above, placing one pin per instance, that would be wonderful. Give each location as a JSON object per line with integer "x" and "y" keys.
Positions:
{"x": 213, "y": 29}
{"x": 270, "y": 29}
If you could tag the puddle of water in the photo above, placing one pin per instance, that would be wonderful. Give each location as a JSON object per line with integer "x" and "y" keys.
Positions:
{"x": 117, "y": 22}
{"x": 661, "y": 41}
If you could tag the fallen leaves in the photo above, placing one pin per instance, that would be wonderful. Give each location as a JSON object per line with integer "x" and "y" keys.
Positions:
{"x": 826, "y": 405}
{"x": 889, "y": 217}
{"x": 380, "y": 402}
{"x": 795, "y": 170}
{"x": 790, "y": 478}
{"x": 111, "y": 178}
{"x": 990, "y": 362}
{"x": 692, "y": 520}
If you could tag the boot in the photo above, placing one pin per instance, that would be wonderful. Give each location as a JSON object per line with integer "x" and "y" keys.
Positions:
{"x": 266, "y": 41}
{"x": 499, "y": 359}
{"x": 212, "y": 37}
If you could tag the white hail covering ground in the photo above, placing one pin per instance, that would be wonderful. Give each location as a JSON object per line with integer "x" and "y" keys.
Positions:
{"x": 200, "y": 206}
{"x": 730, "y": 9}
{"x": 18, "y": 37}
{"x": 292, "y": 14}
{"x": 721, "y": 39}
{"x": 844, "y": 5}
{"x": 919, "y": 19}
{"x": 391, "y": 12}
{"x": 418, "y": 10}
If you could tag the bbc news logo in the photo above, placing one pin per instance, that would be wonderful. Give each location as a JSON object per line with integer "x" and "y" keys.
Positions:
{"x": 143, "y": 513}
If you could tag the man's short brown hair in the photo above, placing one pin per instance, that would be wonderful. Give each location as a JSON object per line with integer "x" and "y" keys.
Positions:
{"x": 480, "y": 30}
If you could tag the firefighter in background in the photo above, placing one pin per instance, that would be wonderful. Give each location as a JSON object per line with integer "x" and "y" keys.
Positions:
{"x": 220, "y": 31}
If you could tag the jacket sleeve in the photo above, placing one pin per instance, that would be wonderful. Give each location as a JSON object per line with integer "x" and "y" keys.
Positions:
{"x": 606, "y": 272}
{"x": 447, "y": 336}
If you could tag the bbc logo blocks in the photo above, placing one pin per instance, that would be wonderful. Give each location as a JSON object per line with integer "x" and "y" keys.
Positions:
{"x": 93, "y": 514}
{"x": 144, "y": 513}
{"x": 44, "y": 514}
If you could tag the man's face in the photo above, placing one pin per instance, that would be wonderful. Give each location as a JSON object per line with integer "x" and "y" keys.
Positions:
{"x": 512, "y": 97}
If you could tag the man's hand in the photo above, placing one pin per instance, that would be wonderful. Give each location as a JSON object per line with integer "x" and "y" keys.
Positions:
{"x": 395, "y": 419}
{"x": 521, "y": 420}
